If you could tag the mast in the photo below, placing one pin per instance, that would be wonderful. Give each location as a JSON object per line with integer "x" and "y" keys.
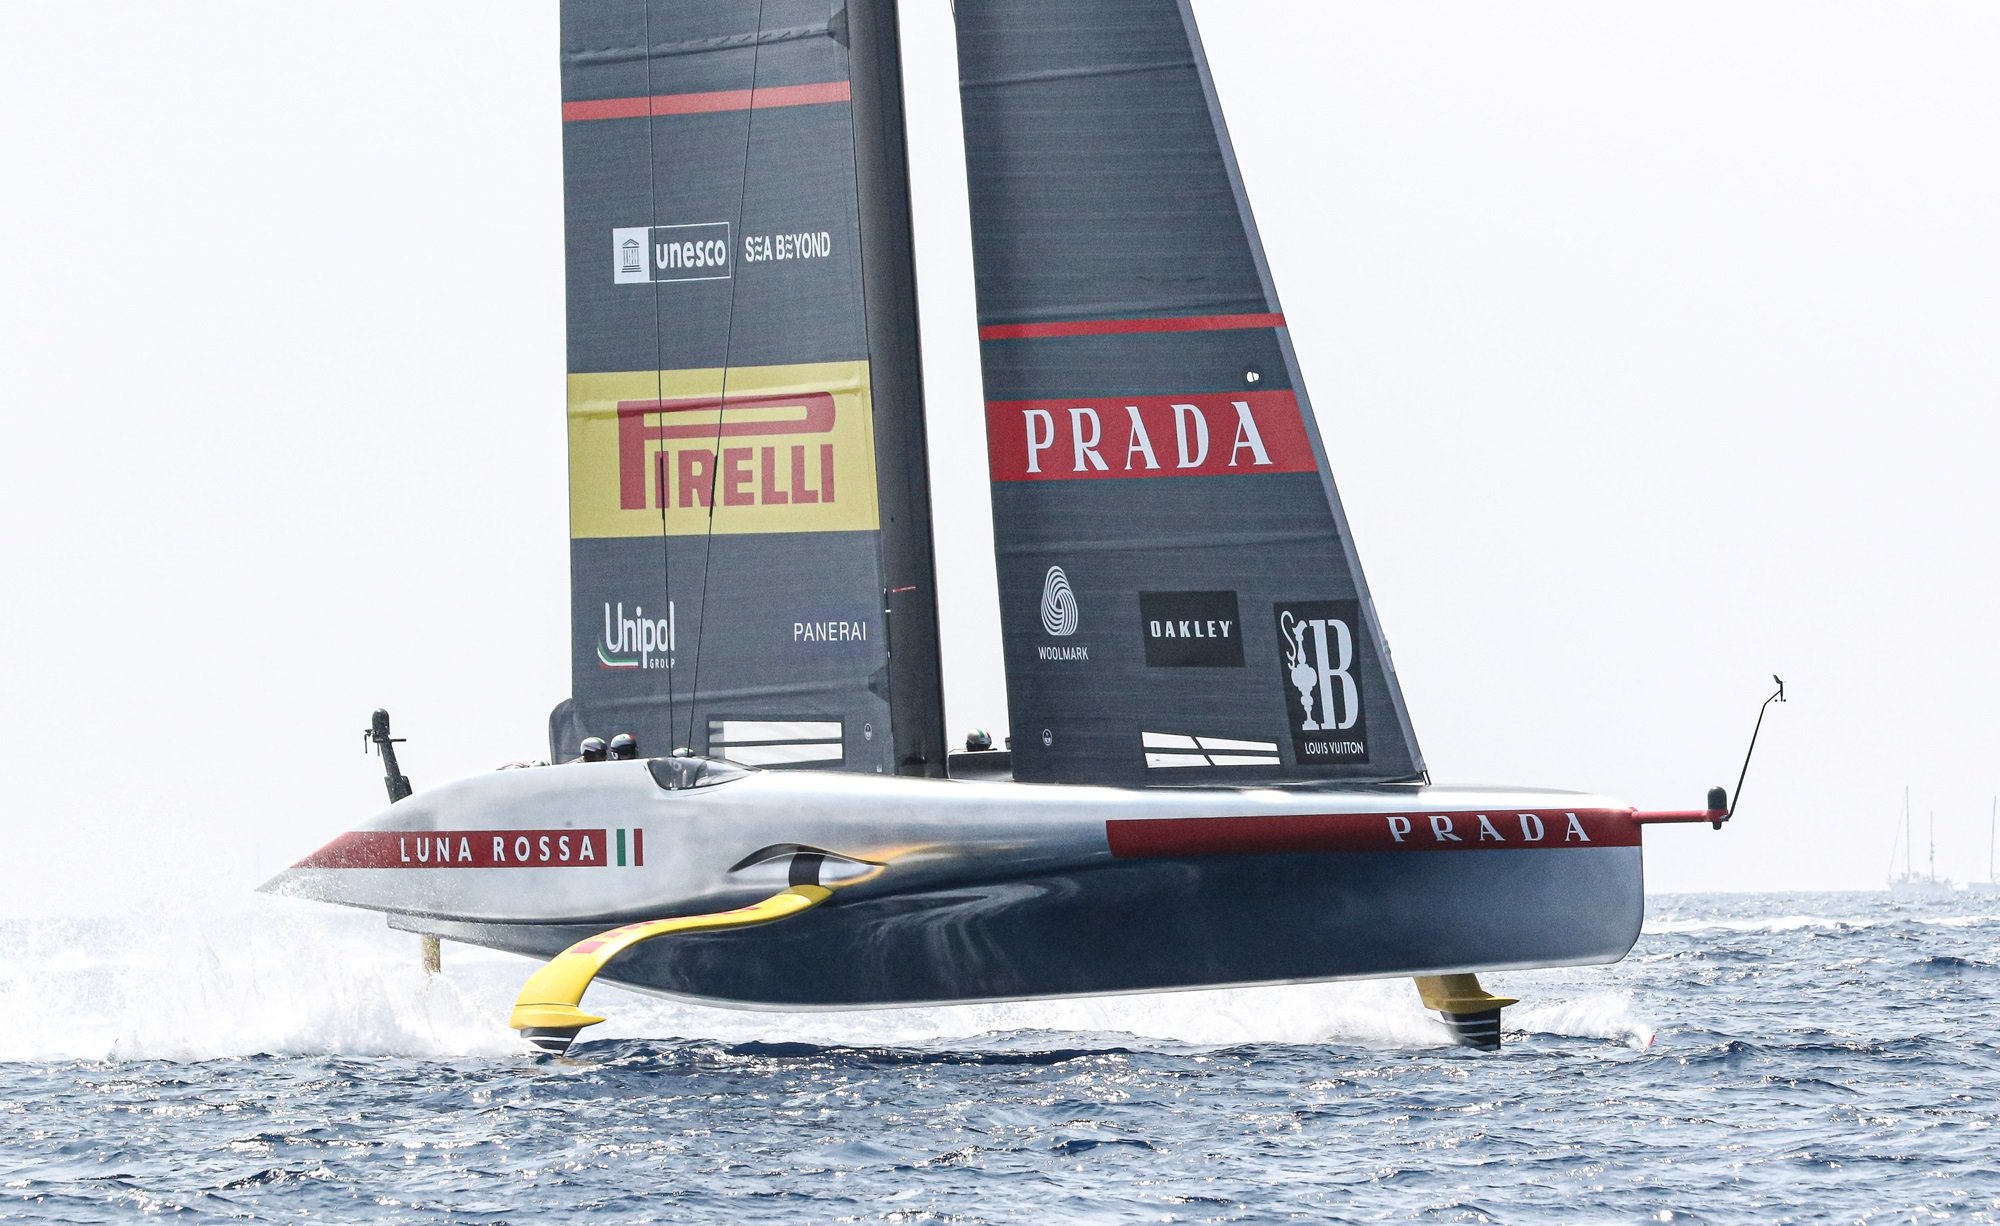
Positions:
{"x": 1909, "y": 861}
{"x": 889, "y": 289}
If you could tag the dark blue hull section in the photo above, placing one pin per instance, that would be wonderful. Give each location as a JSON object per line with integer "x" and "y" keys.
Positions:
{"x": 1143, "y": 926}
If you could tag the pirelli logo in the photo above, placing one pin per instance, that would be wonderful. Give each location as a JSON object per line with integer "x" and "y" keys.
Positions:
{"x": 783, "y": 449}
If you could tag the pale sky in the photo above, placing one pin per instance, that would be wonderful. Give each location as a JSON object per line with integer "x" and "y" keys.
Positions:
{"x": 1654, "y": 346}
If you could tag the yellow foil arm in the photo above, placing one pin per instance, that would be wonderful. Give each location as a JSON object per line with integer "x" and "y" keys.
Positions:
{"x": 546, "y": 1012}
{"x": 1472, "y": 1013}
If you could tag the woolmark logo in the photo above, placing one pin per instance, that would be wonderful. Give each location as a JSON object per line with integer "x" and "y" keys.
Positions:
{"x": 1317, "y": 662}
{"x": 1059, "y": 612}
{"x": 641, "y": 255}
{"x": 1060, "y": 618}
{"x": 637, "y": 641}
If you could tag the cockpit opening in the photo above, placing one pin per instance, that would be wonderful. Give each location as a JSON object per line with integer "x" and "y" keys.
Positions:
{"x": 686, "y": 771}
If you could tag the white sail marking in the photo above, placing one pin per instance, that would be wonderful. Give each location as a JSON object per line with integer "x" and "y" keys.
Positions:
{"x": 737, "y": 731}
{"x": 1167, "y": 750}
{"x": 780, "y": 755}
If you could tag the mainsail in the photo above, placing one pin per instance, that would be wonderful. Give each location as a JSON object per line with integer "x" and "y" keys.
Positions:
{"x": 751, "y": 570}
{"x": 1180, "y": 597}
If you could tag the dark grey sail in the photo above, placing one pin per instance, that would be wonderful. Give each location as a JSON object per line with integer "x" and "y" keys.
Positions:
{"x": 751, "y": 570}
{"x": 1181, "y": 602}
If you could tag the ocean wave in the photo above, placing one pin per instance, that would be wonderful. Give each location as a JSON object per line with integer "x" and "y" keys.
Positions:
{"x": 190, "y": 985}
{"x": 405, "y": 1098}
{"x": 1780, "y": 924}
{"x": 1598, "y": 1015}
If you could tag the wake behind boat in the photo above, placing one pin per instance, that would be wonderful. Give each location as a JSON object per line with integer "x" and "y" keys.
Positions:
{"x": 1213, "y": 778}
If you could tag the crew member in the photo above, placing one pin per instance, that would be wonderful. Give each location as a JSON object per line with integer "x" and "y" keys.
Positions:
{"x": 624, "y": 747}
{"x": 592, "y": 750}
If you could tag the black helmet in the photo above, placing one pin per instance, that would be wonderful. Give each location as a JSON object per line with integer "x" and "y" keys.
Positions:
{"x": 978, "y": 739}
{"x": 593, "y": 749}
{"x": 624, "y": 747}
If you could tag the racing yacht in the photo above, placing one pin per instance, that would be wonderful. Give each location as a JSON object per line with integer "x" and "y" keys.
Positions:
{"x": 1212, "y": 780}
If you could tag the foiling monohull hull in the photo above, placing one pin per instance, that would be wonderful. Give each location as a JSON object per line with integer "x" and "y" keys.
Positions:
{"x": 954, "y": 891}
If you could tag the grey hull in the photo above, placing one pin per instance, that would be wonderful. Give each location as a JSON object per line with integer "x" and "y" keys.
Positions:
{"x": 946, "y": 890}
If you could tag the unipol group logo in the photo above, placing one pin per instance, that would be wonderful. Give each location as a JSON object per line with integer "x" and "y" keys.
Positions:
{"x": 1059, "y": 611}
{"x": 1317, "y": 661}
{"x": 638, "y": 641}
{"x": 641, "y": 255}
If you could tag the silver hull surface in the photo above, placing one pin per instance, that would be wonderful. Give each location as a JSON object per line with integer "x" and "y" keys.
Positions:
{"x": 948, "y": 891}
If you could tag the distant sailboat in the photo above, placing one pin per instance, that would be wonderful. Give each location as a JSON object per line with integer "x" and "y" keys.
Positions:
{"x": 1910, "y": 881}
{"x": 1991, "y": 885}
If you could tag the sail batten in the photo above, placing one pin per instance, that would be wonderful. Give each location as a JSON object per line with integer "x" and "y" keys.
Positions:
{"x": 698, "y": 46}
{"x": 1156, "y": 468}
{"x": 1072, "y": 74}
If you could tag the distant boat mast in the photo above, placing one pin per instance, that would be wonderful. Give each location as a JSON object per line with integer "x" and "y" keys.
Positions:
{"x": 1909, "y": 862}
{"x": 1910, "y": 880}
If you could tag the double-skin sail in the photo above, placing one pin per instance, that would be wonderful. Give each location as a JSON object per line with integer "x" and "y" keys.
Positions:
{"x": 1180, "y": 597}
{"x": 750, "y": 557}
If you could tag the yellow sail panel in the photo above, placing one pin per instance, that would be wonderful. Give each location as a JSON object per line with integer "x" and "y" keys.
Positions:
{"x": 781, "y": 449}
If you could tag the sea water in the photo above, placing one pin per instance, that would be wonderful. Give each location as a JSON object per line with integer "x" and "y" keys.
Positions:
{"x": 1756, "y": 1057}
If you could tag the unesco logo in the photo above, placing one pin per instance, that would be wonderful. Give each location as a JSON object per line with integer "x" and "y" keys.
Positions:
{"x": 642, "y": 255}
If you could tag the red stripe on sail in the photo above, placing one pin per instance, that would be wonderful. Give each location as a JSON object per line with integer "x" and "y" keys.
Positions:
{"x": 706, "y": 103}
{"x": 1222, "y": 434}
{"x": 1121, "y": 327}
{"x": 1295, "y": 834}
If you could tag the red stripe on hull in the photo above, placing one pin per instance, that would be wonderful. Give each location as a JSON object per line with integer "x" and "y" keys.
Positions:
{"x": 1522, "y": 830}
{"x": 462, "y": 849}
{"x": 708, "y": 103}
{"x": 1126, "y": 327}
